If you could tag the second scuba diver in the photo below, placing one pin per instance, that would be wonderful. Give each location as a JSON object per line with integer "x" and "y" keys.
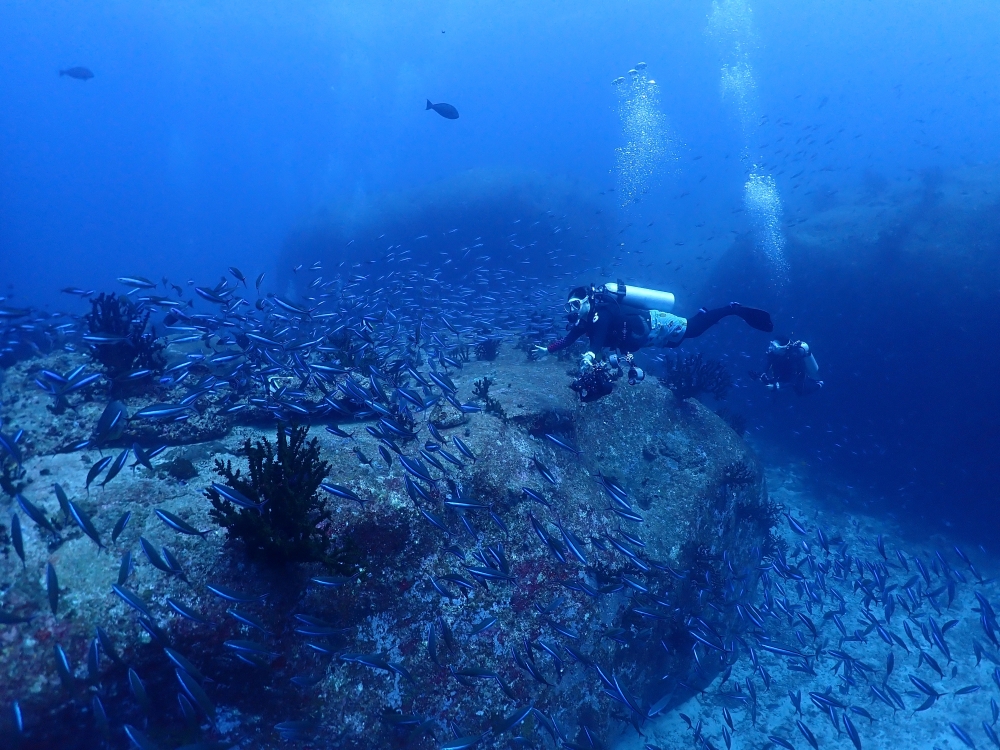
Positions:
{"x": 790, "y": 364}
{"x": 627, "y": 319}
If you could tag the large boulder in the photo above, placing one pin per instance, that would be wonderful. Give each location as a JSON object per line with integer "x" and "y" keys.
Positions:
{"x": 623, "y": 615}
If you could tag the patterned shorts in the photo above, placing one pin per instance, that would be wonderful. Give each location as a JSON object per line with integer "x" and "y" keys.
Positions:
{"x": 667, "y": 329}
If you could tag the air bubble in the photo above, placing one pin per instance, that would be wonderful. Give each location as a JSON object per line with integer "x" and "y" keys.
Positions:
{"x": 763, "y": 204}
{"x": 649, "y": 142}
{"x": 730, "y": 24}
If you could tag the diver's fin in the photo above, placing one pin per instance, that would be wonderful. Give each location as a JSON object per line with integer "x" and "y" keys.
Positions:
{"x": 759, "y": 319}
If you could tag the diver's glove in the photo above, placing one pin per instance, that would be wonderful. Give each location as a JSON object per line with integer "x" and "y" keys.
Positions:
{"x": 538, "y": 352}
{"x": 587, "y": 362}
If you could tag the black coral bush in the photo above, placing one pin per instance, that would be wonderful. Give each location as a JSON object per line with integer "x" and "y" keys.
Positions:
{"x": 118, "y": 339}
{"x": 283, "y": 479}
{"x": 488, "y": 348}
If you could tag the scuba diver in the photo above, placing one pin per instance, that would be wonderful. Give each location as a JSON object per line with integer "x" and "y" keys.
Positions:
{"x": 790, "y": 364}
{"x": 627, "y": 319}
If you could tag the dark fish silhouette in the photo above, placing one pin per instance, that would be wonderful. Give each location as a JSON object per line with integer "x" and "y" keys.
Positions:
{"x": 445, "y": 110}
{"x": 84, "y": 74}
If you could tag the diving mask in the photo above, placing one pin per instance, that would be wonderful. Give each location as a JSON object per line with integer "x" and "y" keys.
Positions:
{"x": 577, "y": 308}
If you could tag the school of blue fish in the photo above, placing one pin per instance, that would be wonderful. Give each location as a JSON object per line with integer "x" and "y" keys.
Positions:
{"x": 806, "y": 607}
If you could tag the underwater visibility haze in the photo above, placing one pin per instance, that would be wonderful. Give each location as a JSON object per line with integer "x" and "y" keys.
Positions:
{"x": 501, "y": 375}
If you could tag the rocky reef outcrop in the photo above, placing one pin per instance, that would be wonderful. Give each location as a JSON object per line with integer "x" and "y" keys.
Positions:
{"x": 587, "y": 560}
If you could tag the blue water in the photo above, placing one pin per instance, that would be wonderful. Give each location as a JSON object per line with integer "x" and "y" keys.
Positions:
{"x": 212, "y": 133}
{"x": 267, "y": 135}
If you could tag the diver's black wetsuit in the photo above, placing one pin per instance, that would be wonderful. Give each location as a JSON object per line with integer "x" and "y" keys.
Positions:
{"x": 627, "y": 329}
{"x": 624, "y": 329}
{"x": 783, "y": 371}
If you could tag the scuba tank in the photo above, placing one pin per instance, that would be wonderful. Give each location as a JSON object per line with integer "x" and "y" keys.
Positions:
{"x": 809, "y": 364}
{"x": 797, "y": 350}
{"x": 639, "y": 297}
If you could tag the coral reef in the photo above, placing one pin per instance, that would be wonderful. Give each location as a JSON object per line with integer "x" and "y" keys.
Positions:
{"x": 481, "y": 390}
{"x": 743, "y": 509}
{"x": 11, "y": 476}
{"x": 283, "y": 481}
{"x": 689, "y": 375}
{"x": 488, "y": 348}
{"x": 739, "y": 474}
{"x": 9, "y": 480}
{"x": 118, "y": 340}
{"x": 11, "y": 470}
{"x": 668, "y": 461}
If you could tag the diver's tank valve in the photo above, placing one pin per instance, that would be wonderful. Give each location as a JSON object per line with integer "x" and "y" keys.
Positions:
{"x": 640, "y": 297}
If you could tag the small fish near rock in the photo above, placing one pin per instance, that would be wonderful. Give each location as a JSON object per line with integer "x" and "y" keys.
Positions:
{"x": 80, "y": 73}
{"x": 445, "y": 110}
